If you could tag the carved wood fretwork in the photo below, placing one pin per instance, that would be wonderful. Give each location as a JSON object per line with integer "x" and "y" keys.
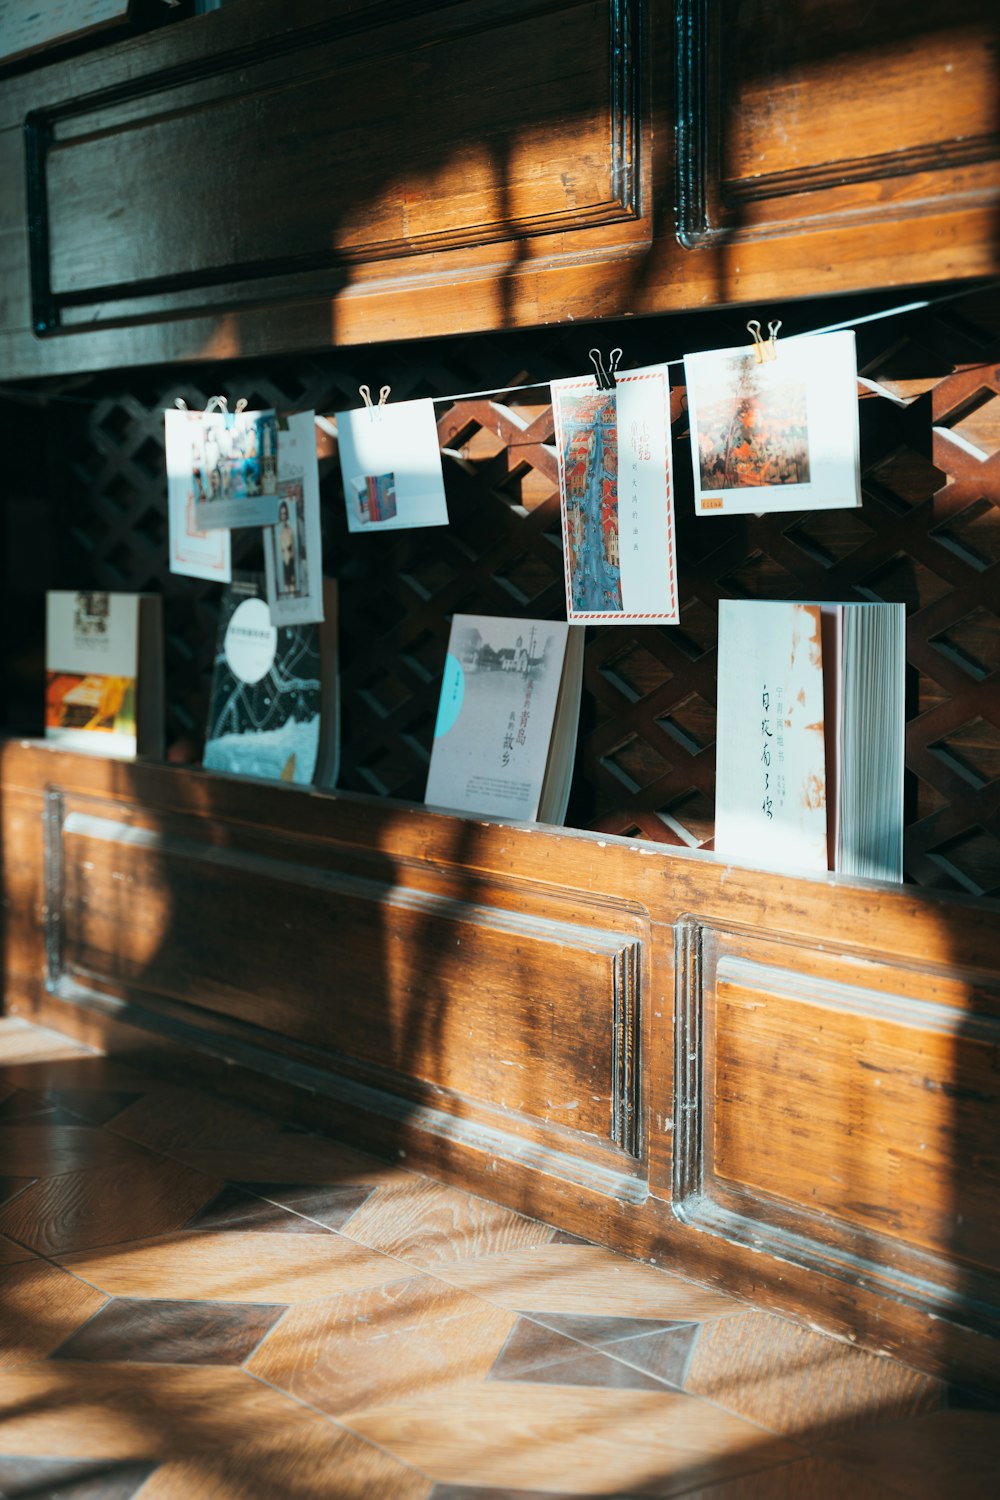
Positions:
{"x": 928, "y": 534}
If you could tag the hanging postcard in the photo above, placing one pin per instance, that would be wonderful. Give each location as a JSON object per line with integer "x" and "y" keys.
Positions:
{"x": 293, "y": 548}
{"x": 617, "y": 498}
{"x": 235, "y": 469}
{"x": 193, "y": 552}
{"x": 391, "y": 465}
{"x": 775, "y": 433}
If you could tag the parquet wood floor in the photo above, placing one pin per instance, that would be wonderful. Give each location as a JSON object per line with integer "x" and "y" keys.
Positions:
{"x": 200, "y": 1304}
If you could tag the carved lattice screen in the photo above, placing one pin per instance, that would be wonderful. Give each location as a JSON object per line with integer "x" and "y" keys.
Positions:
{"x": 928, "y": 535}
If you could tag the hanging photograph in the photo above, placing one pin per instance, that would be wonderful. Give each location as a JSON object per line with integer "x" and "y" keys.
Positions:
{"x": 194, "y": 552}
{"x": 776, "y": 433}
{"x": 293, "y": 547}
{"x": 234, "y": 470}
{"x": 390, "y": 461}
{"x": 617, "y": 497}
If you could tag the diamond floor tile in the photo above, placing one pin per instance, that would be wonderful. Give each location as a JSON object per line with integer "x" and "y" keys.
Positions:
{"x": 172, "y": 1333}
{"x": 266, "y": 1313}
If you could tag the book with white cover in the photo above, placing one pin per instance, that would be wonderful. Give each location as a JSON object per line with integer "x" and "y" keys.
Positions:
{"x": 810, "y": 736}
{"x": 104, "y": 672}
{"x": 505, "y": 737}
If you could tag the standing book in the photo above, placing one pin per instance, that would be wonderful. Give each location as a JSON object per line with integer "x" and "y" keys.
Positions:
{"x": 104, "y": 672}
{"x": 810, "y": 736}
{"x": 505, "y": 737}
{"x": 274, "y": 703}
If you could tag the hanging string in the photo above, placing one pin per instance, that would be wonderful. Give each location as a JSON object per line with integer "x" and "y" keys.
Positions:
{"x": 43, "y": 397}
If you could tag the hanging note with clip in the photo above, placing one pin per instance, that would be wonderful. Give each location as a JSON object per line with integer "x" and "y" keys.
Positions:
{"x": 293, "y": 549}
{"x": 764, "y": 348}
{"x": 194, "y": 551}
{"x": 390, "y": 462}
{"x": 234, "y": 467}
{"x": 775, "y": 431}
{"x": 616, "y": 494}
{"x": 605, "y": 376}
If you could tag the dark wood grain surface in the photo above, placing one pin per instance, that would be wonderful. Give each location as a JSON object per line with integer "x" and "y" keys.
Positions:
{"x": 262, "y": 179}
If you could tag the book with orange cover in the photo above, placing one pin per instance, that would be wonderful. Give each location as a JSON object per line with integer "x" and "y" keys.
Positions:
{"x": 104, "y": 672}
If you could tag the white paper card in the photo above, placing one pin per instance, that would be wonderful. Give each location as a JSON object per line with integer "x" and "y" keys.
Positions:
{"x": 779, "y": 435}
{"x": 617, "y": 498}
{"x": 391, "y": 465}
{"x": 293, "y": 549}
{"x": 193, "y": 552}
{"x": 771, "y": 772}
{"x": 235, "y": 469}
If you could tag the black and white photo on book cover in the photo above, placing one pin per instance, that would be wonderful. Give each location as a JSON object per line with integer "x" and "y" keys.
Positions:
{"x": 775, "y": 434}
{"x": 616, "y": 498}
{"x": 293, "y": 548}
{"x": 234, "y": 469}
{"x": 496, "y": 713}
{"x": 194, "y": 552}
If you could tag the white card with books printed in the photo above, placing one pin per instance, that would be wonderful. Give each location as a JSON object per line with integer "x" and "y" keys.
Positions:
{"x": 194, "y": 552}
{"x": 777, "y": 430}
{"x": 809, "y": 750}
{"x": 505, "y": 737}
{"x": 390, "y": 462}
{"x": 616, "y": 497}
{"x": 293, "y": 549}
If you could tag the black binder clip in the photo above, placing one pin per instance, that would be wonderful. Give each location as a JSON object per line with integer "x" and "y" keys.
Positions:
{"x": 605, "y": 380}
{"x": 763, "y": 348}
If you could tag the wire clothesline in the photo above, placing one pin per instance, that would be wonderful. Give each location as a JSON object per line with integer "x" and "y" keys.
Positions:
{"x": 534, "y": 385}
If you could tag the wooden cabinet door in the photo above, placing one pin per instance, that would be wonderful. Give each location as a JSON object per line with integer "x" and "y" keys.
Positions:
{"x": 824, "y": 115}
{"x": 281, "y": 176}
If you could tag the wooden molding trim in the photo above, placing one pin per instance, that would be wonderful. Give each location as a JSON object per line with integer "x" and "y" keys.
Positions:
{"x": 626, "y": 1115}
{"x": 937, "y": 156}
{"x": 895, "y": 1261}
{"x": 85, "y": 220}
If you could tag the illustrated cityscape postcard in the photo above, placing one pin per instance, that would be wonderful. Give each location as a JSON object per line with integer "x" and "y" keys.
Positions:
{"x": 234, "y": 469}
{"x": 616, "y": 494}
{"x": 391, "y": 466}
{"x": 293, "y": 548}
{"x": 776, "y": 435}
{"x": 194, "y": 552}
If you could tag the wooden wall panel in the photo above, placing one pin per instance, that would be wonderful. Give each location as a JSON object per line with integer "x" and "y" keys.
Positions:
{"x": 767, "y": 93}
{"x": 825, "y": 1030}
{"x": 338, "y": 147}
{"x": 851, "y": 1105}
{"x": 381, "y": 978}
{"x": 271, "y": 179}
